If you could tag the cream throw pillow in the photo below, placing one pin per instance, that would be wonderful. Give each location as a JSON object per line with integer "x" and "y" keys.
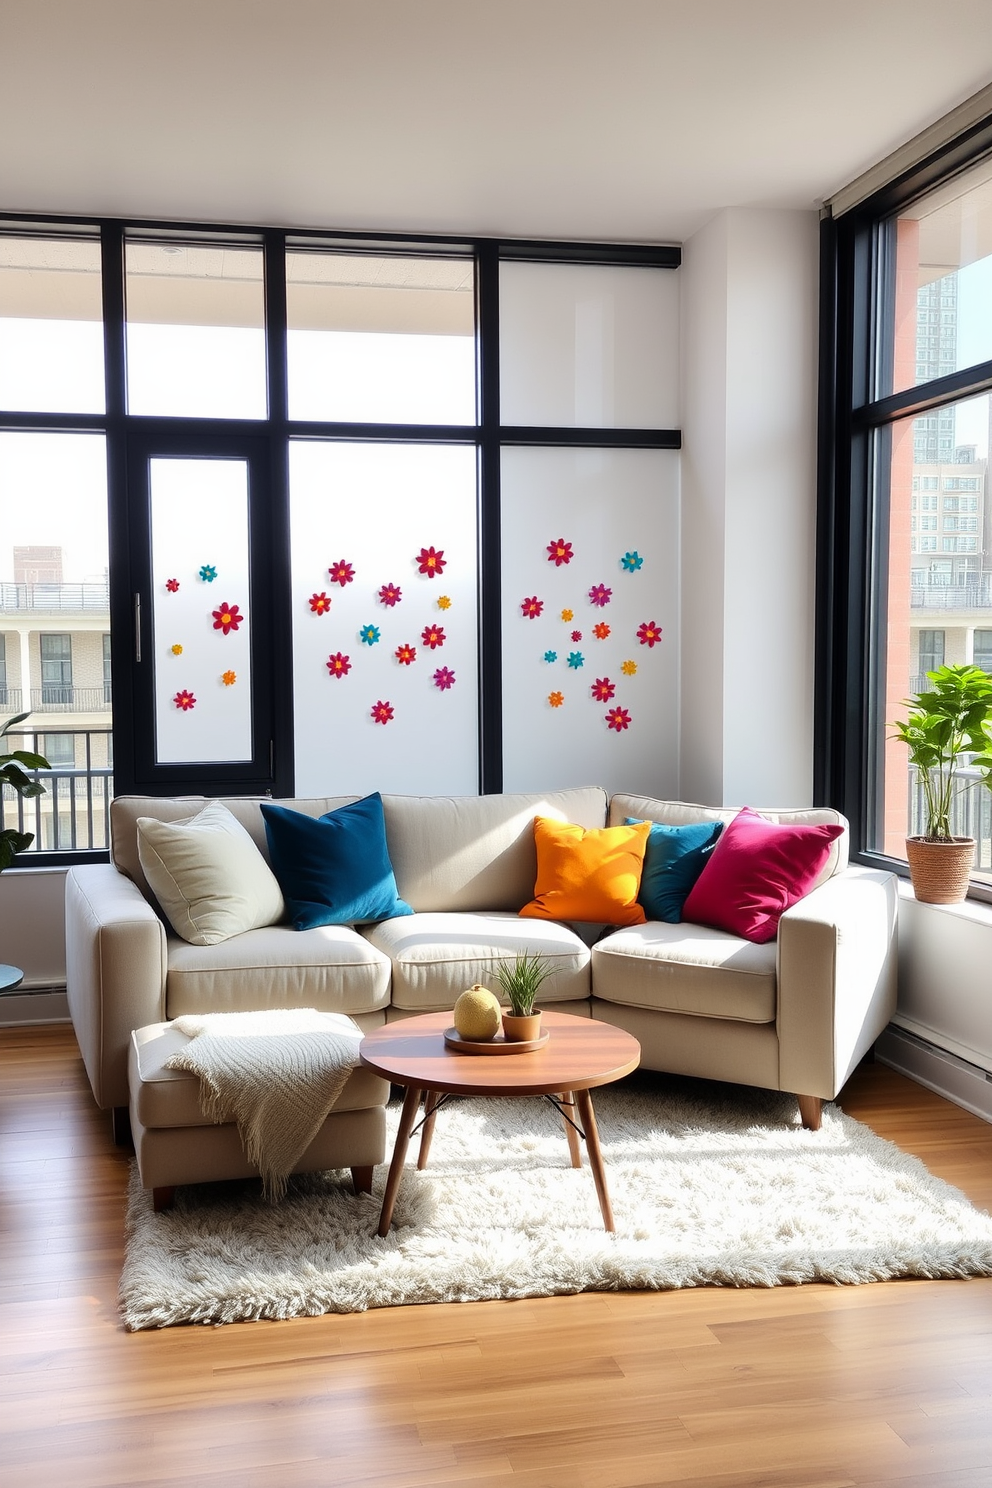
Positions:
{"x": 208, "y": 875}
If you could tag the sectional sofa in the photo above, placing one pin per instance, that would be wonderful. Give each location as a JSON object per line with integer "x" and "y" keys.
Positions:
{"x": 794, "y": 1014}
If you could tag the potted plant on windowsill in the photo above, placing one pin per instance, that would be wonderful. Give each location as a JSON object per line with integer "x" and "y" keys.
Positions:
{"x": 13, "y": 767}
{"x": 520, "y": 981}
{"x": 946, "y": 723}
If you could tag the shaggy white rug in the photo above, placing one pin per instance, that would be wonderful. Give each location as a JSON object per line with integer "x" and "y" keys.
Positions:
{"x": 711, "y": 1185}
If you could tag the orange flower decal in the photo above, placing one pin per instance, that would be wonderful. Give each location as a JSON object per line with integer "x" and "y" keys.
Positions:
{"x": 629, "y": 668}
{"x": 601, "y": 631}
{"x": 229, "y": 678}
{"x": 556, "y": 699}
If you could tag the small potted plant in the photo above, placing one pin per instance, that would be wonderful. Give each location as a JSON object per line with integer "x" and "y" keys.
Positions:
{"x": 945, "y": 724}
{"x": 520, "y": 981}
{"x": 12, "y": 773}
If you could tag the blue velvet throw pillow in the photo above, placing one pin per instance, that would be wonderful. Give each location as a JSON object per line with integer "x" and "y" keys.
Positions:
{"x": 333, "y": 869}
{"x": 673, "y": 860}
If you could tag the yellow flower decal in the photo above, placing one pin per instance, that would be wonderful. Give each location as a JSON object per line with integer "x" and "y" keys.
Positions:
{"x": 566, "y": 614}
{"x": 629, "y": 668}
{"x": 556, "y": 699}
{"x": 443, "y": 602}
{"x": 229, "y": 678}
{"x": 177, "y": 650}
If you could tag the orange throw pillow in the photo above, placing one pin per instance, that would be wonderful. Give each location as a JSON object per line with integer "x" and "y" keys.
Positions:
{"x": 588, "y": 874}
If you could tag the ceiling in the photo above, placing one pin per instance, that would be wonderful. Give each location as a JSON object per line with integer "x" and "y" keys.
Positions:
{"x": 628, "y": 120}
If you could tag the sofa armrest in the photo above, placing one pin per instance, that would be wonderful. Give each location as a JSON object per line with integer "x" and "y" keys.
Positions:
{"x": 115, "y": 972}
{"x": 836, "y": 978}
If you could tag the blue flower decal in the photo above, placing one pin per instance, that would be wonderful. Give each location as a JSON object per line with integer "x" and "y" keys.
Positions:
{"x": 576, "y": 659}
{"x": 369, "y": 635}
{"x": 631, "y": 562}
{"x": 208, "y": 573}
{"x": 551, "y": 655}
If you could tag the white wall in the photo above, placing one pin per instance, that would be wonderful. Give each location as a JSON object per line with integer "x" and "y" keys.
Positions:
{"x": 749, "y": 306}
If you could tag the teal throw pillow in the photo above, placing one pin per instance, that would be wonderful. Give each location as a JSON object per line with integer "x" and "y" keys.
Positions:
{"x": 333, "y": 869}
{"x": 673, "y": 860}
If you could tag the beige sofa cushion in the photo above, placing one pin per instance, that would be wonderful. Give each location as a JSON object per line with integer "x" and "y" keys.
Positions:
{"x": 687, "y": 969}
{"x": 465, "y": 853}
{"x": 331, "y": 968}
{"x": 436, "y": 956}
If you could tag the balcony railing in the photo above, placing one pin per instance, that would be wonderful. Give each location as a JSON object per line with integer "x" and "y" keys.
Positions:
{"x": 977, "y": 596}
{"x": 74, "y": 813}
{"x": 54, "y": 598}
{"x": 58, "y": 697}
{"x": 971, "y": 813}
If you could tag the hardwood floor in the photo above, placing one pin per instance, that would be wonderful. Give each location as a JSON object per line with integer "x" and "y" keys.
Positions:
{"x": 807, "y": 1387}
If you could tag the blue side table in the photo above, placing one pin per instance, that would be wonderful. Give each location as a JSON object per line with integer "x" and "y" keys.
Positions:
{"x": 11, "y": 978}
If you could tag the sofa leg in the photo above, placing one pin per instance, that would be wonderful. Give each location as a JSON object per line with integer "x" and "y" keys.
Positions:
{"x": 810, "y": 1111}
{"x": 121, "y": 1118}
{"x": 162, "y": 1198}
{"x": 362, "y": 1179}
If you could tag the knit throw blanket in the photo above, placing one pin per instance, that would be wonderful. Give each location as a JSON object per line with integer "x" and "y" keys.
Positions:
{"x": 275, "y": 1073}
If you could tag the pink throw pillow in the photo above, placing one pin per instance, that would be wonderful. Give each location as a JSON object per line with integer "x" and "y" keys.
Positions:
{"x": 756, "y": 871}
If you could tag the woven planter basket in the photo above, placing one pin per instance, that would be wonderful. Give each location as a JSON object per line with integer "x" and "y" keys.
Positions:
{"x": 940, "y": 870}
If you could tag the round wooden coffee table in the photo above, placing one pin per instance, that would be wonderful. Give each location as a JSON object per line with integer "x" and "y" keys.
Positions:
{"x": 580, "y": 1054}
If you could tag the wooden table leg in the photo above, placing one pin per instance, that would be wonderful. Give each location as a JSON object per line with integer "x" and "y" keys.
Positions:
{"x": 584, "y": 1102}
{"x": 408, "y": 1117}
{"x": 432, "y": 1099}
{"x": 568, "y": 1110}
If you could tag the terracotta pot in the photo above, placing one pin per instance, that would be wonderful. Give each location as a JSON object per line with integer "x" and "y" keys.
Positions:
{"x": 521, "y": 1030}
{"x": 940, "y": 870}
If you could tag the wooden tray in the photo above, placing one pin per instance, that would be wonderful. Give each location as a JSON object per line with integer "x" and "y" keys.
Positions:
{"x": 497, "y": 1045}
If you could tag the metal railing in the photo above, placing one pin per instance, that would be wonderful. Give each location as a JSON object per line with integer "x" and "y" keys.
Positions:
{"x": 977, "y": 596}
{"x": 60, "y": 697}
{"x": 74, "y": 813}
{"x": 54, "y": 598}
{"x": 971, "y": 813}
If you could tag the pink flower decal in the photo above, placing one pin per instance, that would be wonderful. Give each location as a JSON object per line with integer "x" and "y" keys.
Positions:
{"x": 601, "y": 631}
{"x": 381, "y": 712}
{"x": 172, "y": 585}
{"x": 576, "y": 635}
{"x": 227, "y": 618}
{"x": 341, "y": 572}
{"x": 603, "y": 689}
{"x": 184, "y": 700}
{"x": 600, "y": 595}
{"x": 560, "y": 552}
{"x": 618, "y": 719}
{"x": 431, "y": 561}
{"x": 338, "y": 665}
{"x": 649, "y": 634}
{"x": 405, "y": 654}
{"x": 320, "y": 603}
{"x": 444, "y": 678}
{"x": 390, "y": 595}
{"x": 532, "y": 607}
{"x": 433, "y": 636}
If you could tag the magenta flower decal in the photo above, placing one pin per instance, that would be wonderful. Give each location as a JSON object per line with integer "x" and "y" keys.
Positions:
{"x": 433, "y": 636}
{"x": 600, "y": 595}
{"x": 390, "y": 595}
{"x": 227, "y": 618}
{"x": 618, "y": 719}
{"x": 531, "y": 608}
{"x": 603, "y": 689}
{"x": 444, "y": 678}
{"x": 382, "y": 712}
{"x": 172, "y": 585}
{"x": 184, "y": 700}
{"x": 560, "y": 552}
{"x": 341, "y": 572}
{"x": 320, "y": 603}
{"x": 431, "y": 561}
{"x": 576, "y": 635}
{"x": 338, "y": 665}
{"x": 649, "y": 634}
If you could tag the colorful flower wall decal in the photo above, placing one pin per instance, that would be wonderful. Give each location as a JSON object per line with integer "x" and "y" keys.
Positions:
{"x": 433, "y": 636}
{"x": 551, "y": 655}
{"x": 629, "y": 668}
{"x": 172, "y": 585}
{"x": 320, "y": 603}
{"x": 369, "y": 635}
{"x": 444, "y": 678}
{"x": 601, "y": 631}
{"x": 184, "y": 700}
{"x": 576, "y": 635}
{"x": 338, "y": 665}
{"x": 649, "y": 634}
{"x": 631, "y": 562}
{"x": 390, "y": 595}
{"x": 444, "y": 602}
{"x": 207, "y": 573}
{"x": 406, "y": 654}
{"x": 341, "y": 572}
{"x": 602, "y": 689}
{"x": 566, "y": 615}
{"x": 176, "y": 650}
{"x": 556, "y": 699}
{"x": 531, "y": 608}
{"x": 382, "y": 712}
{"x": 560, "y": 552}
{"x": 227, "y": 618}
{"x": 431, "y": 561}
{"x": 600, "y": 595}
{"x": 618, "y": 719}
{"x": 229, "y": 678}
{"x": 576, "y": 659}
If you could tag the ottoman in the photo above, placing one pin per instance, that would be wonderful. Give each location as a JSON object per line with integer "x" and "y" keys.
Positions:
{"x": 175, "y": 1143}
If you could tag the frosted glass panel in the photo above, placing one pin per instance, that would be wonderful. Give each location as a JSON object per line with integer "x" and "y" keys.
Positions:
{"x": 385, "y": 641}
{"x": 201, "y": 610}
{"x": 51, "y": 326}
{"x": 588, "y": 346}
{"x": 590, "y": 619}
{"x": 381, "y": 339}
{"x": 195, "y": 337}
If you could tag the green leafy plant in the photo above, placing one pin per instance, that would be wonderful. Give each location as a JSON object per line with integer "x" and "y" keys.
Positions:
{"x": 521, "y": 980}
{"x": 13, "y": 767}
{"x": 946, "y": 722}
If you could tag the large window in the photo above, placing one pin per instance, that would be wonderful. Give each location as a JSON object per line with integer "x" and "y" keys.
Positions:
{"x": 907, "y": 578}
